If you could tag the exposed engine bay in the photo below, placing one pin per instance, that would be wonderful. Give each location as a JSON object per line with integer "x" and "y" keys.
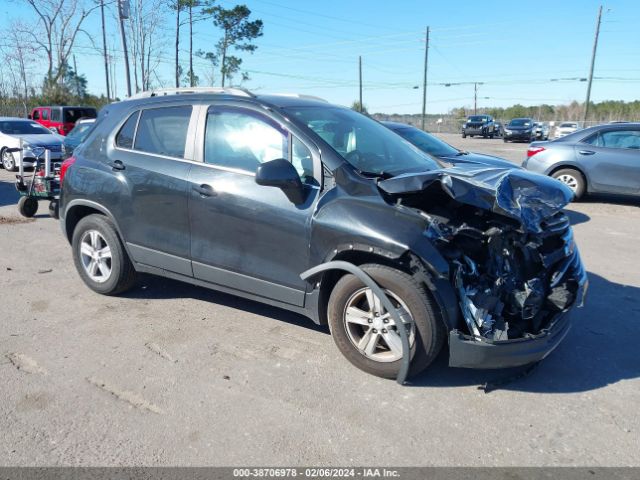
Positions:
{"x": 513, "y": 277}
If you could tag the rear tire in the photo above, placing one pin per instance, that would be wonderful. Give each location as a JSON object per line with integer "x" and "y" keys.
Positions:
{"x": 100, "y": 257}
{"x": 427, "y": 336}
{"x": 464, "y": 135}
{"x": 27, "y": 206}
{"x": 573, "y": 179}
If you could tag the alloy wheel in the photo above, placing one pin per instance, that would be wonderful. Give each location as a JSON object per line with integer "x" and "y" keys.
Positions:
{"x": 7, "y": 160}
{"x": 371, "y": 329}
{"x": 95, "y": 254}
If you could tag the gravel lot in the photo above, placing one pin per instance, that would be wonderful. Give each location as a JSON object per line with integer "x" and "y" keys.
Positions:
{"x": 172, "y": 374}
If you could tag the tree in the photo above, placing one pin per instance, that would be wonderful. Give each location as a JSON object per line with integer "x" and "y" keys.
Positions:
{"x": 212, "y": 58}
{"x": 238, "y": 33}
{"x": 59, "y": 22}
{"x": 359, "y": 108}
{"x": 178, "y": 6}
{"x": 145, "y": 19}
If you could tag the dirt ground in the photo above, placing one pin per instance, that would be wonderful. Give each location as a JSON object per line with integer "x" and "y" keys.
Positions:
{"x": 171, "y": 374}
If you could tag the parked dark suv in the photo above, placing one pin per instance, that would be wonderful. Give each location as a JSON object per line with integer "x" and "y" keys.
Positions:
{"x": 317, "y": 209}
{"x": 481, "y": 125}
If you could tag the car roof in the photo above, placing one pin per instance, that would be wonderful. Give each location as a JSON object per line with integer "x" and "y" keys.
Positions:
{"x": 16, "y": 119}
{"x": 281, "y": 100}
{"x": 64, "y": 106}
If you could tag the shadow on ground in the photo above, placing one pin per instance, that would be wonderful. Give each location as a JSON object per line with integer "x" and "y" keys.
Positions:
{"x": 8, "y": 193}
{"x": 576, "y": 218}
{"x": 600, "y": 349}
{"x": 153, "y": 287}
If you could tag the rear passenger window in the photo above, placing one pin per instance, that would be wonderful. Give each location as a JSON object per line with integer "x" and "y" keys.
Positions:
{"x": 242, "y": 140}
{"x": 124, "y": 139}
{"x": 45, "y": 114}
{"x": 163, "y": 131}
{"x": 55, "y": 115}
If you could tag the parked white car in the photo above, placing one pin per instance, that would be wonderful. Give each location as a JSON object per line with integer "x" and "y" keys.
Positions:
{"x": 565, "y": 128}
{"x": 33, "y": 135}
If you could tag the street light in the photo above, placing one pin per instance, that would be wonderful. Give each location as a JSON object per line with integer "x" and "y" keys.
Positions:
{"x": 475, "y": 92}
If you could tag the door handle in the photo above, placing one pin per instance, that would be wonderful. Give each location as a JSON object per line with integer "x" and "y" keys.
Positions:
{"x": 586, "y": 152}
{"x": 117, "y": 165}
{"x": 205, "y": 190}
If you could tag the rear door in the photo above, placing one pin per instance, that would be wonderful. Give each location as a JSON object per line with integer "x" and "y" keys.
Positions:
{"x": 243, "y": 235}
{"x": 612, "y": 160}
{"x": 151, "y": 157}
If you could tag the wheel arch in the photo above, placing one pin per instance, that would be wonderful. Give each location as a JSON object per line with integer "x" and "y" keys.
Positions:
{"x": 440, "y": 290}
{"x": 79, "y": 209}
{"x": 571, "y": 166}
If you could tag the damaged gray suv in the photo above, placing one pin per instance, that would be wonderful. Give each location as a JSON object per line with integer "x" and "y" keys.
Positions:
{"x": 291, "y": 201}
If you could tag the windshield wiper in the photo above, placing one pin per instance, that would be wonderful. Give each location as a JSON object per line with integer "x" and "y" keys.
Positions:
{"x": 382, "y": 174}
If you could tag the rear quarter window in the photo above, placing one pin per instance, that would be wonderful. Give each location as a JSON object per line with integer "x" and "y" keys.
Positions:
{"x": 124, "y": 138}
{"x": 163, "y": 131}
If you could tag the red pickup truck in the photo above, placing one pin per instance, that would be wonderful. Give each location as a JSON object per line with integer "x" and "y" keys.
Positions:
{"x": 59, "y": 119}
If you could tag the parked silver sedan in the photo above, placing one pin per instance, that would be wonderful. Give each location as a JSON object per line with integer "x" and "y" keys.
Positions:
{"x": 601, "y": 159}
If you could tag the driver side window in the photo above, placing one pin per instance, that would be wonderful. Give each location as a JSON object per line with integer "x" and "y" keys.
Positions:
{"x": 242, "y": 140}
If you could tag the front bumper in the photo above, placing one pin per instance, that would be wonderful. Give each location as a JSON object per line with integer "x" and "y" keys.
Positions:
{"x": 519, "y": 135}
{"x": 467, "y": 351}
{"x": 476, "y": 131}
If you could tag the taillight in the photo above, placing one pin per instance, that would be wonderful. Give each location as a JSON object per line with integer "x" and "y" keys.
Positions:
{"x": 65, "y": 166}
{"x": 533, "y": 150}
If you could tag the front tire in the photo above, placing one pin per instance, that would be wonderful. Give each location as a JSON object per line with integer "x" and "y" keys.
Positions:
{"x": 100, "y": 257}
{"x": 464, "y": 135}
{"x": 366, "y": 335}
{"x": 8, "y": 161}
{"x": 573, "y": 179}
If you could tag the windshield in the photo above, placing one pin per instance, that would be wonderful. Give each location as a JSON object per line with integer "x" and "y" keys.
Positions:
{"x": 427, "y": 143}
{"x": 477, "y": 118}
{"x": 80, "y": 131}
{"x": 72, "y": 115}
{"x": 19, "y": 127}
{"x": 520, "y": 122}
{"x": 367, "y": 145}
{"x": 568, "y": 125}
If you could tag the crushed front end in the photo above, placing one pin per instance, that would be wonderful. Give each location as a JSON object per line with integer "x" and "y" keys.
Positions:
{"x": 513, "y": 260}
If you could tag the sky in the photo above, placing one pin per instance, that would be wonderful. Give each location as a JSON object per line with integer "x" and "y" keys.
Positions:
{"x": 514, "y": 48}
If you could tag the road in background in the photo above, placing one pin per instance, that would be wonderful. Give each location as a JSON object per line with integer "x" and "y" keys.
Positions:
{"x": 172, "y": 374}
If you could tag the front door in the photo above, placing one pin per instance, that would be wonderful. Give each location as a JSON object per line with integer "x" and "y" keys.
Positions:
{"x": 613, "y": 160}
{"x": 243, "y": 235}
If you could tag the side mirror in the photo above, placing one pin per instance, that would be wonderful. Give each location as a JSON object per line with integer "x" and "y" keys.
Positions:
{"x": 282, "y": 174}
{"x": 29, "y": 116}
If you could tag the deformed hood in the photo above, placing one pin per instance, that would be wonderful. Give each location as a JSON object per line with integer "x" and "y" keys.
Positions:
{"x": 524, "y": 196}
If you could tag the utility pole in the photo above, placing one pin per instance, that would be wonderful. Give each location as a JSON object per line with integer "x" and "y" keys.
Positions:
{"x": 123, "y": 11}
{"x": 475, "y": 98}
{"x": 593, "y": 61}
{"x": 75, "y": 71}
{"x": 178, "y": 6}
{"x": 104, "y": 50}
{"x": 360, "y": 82}
{"x": 191, "y": 79}
{"x": 424, "y": 81}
